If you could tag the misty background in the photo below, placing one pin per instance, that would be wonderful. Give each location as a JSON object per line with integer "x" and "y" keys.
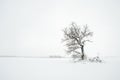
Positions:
{"x": 34, "y": 27}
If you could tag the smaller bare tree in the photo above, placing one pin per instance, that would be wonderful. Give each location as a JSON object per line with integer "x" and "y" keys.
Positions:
{"x": 75, "y": 38}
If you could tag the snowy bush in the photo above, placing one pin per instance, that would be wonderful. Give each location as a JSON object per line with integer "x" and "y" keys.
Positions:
{"x": 95, "y": 59}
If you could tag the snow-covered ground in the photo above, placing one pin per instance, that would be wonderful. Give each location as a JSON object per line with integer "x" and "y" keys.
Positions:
{"x": 58, "y": 69}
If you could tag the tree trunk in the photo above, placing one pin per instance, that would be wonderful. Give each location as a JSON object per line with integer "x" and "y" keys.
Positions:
{"x": 82, "y": 51}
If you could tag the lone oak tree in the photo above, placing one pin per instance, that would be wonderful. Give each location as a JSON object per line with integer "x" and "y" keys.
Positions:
{"x": 75, "y": 38}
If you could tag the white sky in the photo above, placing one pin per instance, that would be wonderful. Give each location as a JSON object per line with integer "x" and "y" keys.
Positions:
{"x": 34, "y": 27}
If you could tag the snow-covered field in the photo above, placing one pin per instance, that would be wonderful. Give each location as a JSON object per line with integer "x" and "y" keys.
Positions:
{"x": 57, "y": 69}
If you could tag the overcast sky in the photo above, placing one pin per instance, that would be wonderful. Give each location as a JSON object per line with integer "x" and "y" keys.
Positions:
{"x": 34, "y": 27}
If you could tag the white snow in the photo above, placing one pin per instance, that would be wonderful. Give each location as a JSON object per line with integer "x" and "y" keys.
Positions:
{"x": 57, "y": 69}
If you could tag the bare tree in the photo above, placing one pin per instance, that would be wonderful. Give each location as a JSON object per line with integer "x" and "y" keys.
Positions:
{"x": 76, "y": 37}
